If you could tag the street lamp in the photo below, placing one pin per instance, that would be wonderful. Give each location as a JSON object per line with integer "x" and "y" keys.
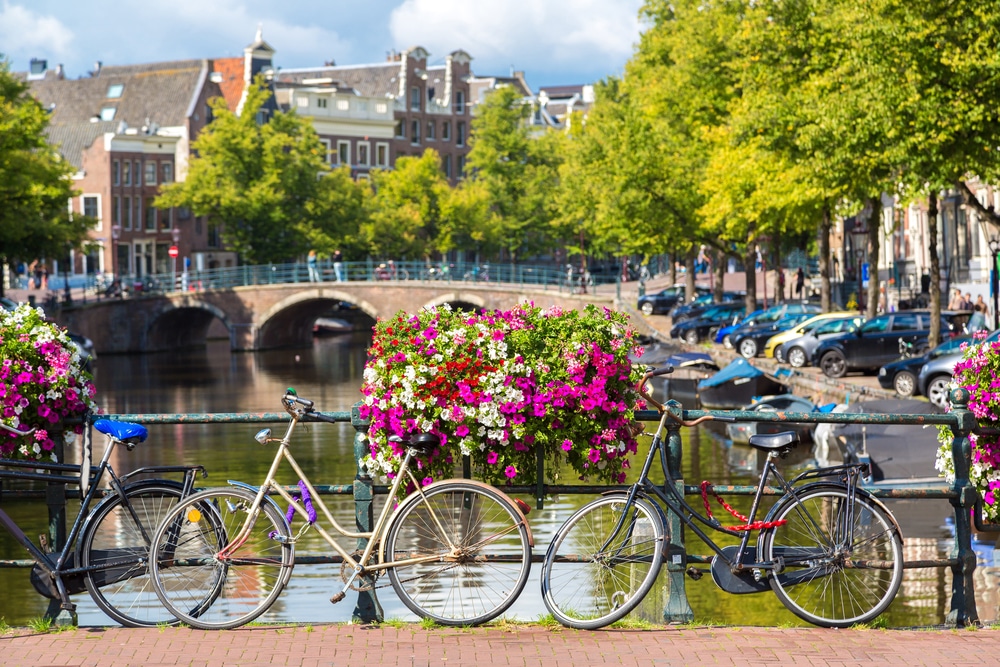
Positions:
{"x": 116, "y": 233}
{"x": 994, "y": 251}
{"x": 859, "y": 237}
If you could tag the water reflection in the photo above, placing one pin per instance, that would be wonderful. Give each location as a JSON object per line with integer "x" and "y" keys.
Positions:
{"x": 214, "y": 380}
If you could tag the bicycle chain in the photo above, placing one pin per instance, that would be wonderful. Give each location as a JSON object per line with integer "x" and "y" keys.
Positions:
{"x": 357, "y": 585}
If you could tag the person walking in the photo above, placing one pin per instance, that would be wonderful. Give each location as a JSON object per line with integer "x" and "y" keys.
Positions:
{"x": 800, "y": 282}
{"x": 311, "y": 262}
{"x": 338, "y": 263}
{"x": 955, "y": 303}
{"x": 978, "y": 320}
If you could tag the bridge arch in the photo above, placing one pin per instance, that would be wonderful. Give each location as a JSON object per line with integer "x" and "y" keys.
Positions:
{"x": 458, "y": 299}
{"x": 185, "y": 324}
{"x": 289, "y": 322}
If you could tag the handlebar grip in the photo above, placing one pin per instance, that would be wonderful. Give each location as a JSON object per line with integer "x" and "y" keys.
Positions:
{"x": 724, "y": 419}
{"x": 662, "y": 371}
{"x": 320, "y": 417}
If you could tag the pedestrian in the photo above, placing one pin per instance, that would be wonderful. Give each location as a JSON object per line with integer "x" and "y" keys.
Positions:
{"x": 781, "y": 284}
{"x": 978, "y": 320}
{"x": 955, "y": 303}
{"x": 800, "y": 282}
{"x": 338, "y": 263}
{"x": 45, "y": 275}
{"x": 313, "y": 270}
{"x": 967, "y": 301}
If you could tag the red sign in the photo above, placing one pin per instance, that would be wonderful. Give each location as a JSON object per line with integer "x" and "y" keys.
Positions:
{"x": 172, "y": 251}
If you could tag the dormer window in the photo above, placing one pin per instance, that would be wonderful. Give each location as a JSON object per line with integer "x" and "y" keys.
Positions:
{"x": 115, "y": 91}
{"x": 108, "y": 113}
{"x": 414, "y": 99}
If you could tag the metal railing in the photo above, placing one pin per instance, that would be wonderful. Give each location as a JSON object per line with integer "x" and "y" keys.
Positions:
{"x": 961, "y": 493}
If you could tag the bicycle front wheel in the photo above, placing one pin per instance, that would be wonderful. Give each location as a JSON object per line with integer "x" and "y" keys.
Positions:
{"x": 602, "y": 562}
{"x": 841, "y": 559}
{"x": 114, "y": 546}
{"x": 477, "y": 551}
{"x": 208, "y": 571}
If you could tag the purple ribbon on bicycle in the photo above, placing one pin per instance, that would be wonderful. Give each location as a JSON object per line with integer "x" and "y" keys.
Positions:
{"x": 306, "y": 502}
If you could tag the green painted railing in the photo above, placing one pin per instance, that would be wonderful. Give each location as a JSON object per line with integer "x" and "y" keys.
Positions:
{"x": 961, "y": 494}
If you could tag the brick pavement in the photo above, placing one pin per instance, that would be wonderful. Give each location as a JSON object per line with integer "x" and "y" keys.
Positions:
{"x": 504, "y": 644}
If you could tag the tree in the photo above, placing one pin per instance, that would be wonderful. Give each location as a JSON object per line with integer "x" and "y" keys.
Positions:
{"x": 35, "y": 183}
{"x": 258, "y": 179}
{"x": 338, "y": 211}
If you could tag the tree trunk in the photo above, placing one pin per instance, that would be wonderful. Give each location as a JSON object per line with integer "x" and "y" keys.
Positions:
{"x": 719, "y": 269}
{"x": 779, "y": 278}
{"x": 824, "y": 261}
{"x": 874, "y": 236}
{"x": 750, "y": 271}
{"x": 689, "y": 293}
{"x": 934, "y": 337}
{"x": 673, "y": 268}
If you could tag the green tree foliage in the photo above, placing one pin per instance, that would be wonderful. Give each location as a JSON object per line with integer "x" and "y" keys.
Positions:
{"x": 338, "y": 210}
{"x": 35, "y": 182}
{"x": 259, "y": 180}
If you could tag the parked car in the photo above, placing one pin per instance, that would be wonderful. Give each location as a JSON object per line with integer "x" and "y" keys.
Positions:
{"x": 771, "y": 314}
{"x": 876, "y": 342}
{"x": 664, "y": 300}
{"x": 749, "y": 341}
{"x": 934, "y": 379}
{"x": 698, "y": 329}
{"x": 902, "y": 375}
{"x": 799, "y": 351}
{"x": 694, "y": 309}
{"x": 774, "y": 342}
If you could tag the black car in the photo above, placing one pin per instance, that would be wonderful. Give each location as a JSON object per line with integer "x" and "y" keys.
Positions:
{"x": 664, "y": 300}
{"x": 902, "y": 375}
{"x": 695, "y": 309}
{"x": 749, "y": 341}
{"x": 698, "y": 329}
{"x": 877, "y": 341}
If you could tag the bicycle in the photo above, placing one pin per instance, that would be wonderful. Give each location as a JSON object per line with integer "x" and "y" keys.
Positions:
{"x": 112, "y": 540}
{"x": 830, "y": 551}
{"x": 389, "y": 271}
{"x": 456, "y": 551}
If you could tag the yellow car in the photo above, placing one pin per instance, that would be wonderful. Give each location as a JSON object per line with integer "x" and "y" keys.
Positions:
{"x": 774, "y": 341}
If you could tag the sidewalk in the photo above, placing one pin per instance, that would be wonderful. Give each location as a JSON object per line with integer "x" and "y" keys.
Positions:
{"x": 516, "y": 645}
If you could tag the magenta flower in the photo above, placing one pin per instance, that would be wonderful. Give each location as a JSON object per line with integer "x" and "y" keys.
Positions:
{"x": 510, "y": 472}
{"x": 492, "y": 458}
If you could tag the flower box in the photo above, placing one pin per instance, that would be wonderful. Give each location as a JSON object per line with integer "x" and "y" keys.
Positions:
{"x": 496, "y": 386}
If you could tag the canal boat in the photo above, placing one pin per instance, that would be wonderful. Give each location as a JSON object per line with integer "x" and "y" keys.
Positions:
{"x": 736, "y": 385}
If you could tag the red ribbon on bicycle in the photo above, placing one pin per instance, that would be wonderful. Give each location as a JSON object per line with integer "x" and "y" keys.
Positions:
{"x": 747, "y": 524}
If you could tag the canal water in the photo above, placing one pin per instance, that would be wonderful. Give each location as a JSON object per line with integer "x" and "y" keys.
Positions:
{"x": 214, "y": 380}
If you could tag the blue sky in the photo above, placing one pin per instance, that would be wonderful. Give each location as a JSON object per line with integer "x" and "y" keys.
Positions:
{"x": 553, "y": 41}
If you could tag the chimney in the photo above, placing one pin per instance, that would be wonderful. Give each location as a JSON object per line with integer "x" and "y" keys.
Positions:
{"x": 97, "y": 69}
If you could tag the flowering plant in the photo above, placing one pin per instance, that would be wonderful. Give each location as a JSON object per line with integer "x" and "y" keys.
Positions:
{"x": 979, "y": 373}
{"x": 497, "y": 385}
{"x": 42, "y": 381}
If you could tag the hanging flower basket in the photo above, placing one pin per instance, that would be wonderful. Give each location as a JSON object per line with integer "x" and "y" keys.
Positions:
{"x": 498, "y": 385}
{"x": 42, "y": 382}
{"x": 979, "y": 373}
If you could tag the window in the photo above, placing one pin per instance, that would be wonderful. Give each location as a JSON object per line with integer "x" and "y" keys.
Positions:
{"x": 414, "y": 99}
{"x": 108, "y": 113}
{"x": 415, "y": 139}
{"x": 116, "y": 210}
{"x": 381, "y": 107}
{"x": 461, "y": 165}
{"x": 446, "y": 131}
{"x": 363, "y": 106}
{"x": 116, "y": 173}
{"x": 90, "y": 206}
{"x": 150, "y": 215}
{"x": 137, "y": 173}
{"x": 905, "y": 322}
{"x": 127, "y": 210}
{"x": 344, "y": 152}
{"x": 400, "y": 129}
{"x": 327, "y": 150}
{"x": 321, "y": 102}
{"x": 381, "y": 155}
{"x": 127, "y": 173}
{"x": 150, "y": 173}
{"x": 303, "y": 102}
{"x": 459, "y": 102}
{"x": 115, "y": 91}
{"x": 878, "y": 325}
{"x": 430, "y": 131}
{"x": 343, "y": 105}
{"x": 137, "y": 212}
{"x": 166, "y": 220}
{"x": 446, "y": 162}
{"x": 363, "y": 156}
{"x": 168, "y": 172}
{"x": 460, "y": 133}
{"x": 213, "y": 235}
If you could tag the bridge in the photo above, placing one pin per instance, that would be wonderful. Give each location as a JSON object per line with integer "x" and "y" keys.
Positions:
{"x": 282, "y": 314}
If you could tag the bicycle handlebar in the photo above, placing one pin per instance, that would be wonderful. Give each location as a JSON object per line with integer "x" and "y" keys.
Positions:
{"x": 291, "y": 400}
{"x": 662, "y": 409}
{"x": 11, "y": 429}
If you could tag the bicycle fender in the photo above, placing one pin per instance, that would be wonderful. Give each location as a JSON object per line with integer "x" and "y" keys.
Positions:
{"x": 256, "y": 489}
{"x": 843, "y": 487}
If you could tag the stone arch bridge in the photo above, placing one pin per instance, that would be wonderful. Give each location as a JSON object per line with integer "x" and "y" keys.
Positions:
{"x": 270, "y": 316}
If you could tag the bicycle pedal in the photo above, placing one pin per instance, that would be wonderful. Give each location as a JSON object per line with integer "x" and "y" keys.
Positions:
{"x": 694, "y": 573}
{"x": 338, "y": 597}
{"x": 43, "y": 542}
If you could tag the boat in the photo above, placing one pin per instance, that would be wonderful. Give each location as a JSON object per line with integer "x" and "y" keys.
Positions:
{"x": 736, "y": 385}
{"x": 740, "y": 432}
{"x": 325, "y": 326}
{"x": 690, "y": 368}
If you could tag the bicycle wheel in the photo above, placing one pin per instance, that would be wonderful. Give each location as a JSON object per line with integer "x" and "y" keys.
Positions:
{"x": 592, "y": 575}
{"x": 116, "y": 541}
{"x": 206, "y": 589}
{"x": 486, "y": 571}
{"x": 842, "y": 560}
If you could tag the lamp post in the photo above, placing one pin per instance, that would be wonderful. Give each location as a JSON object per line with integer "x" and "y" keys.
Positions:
{"x": 859, "y": 237}
{"x": 116, "y": 233}
{"x": 994, "y": 251}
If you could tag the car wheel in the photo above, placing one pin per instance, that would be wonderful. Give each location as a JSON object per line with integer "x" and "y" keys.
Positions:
{"x": 647, "y": 308}
{"x": 905, "y": 384}
{"x": 691, "y": 337}
{"x": 748, "y": 348}
{"x": 938, "y": 391}
{"x": 727, "y": 342}
{"x": 797, "y": 357}
{"x": 779, "y": 356}
{"x": 833, "y": 364}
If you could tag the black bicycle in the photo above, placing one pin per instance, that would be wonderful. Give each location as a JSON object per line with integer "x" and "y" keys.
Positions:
{"x": 830, "y": 551}
{"x": 110, "y": 558}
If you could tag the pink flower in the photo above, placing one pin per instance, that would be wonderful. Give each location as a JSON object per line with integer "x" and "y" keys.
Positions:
{"x": 462, "y": 430}
{"x": 567, "y": 445}
{"x": 594, "y": 455}
{"x": 492, "y": 458}
{"x": 510, "y": 472}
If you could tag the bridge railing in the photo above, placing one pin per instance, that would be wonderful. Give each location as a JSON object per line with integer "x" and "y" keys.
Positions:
{"x": 962, "y": 495}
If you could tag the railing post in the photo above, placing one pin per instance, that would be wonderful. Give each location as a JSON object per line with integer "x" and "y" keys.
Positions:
{"x": 367, "y": 610}
{"x": 677, "y": 609}
{"x": 55, "y": 498}
{"x": 963, "y": 599}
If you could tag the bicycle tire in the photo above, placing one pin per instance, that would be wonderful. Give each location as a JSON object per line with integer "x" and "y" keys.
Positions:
{"x": 815, "y": 583}
{"x": 484, "y": 580}
{"x": 207, "y": 591}
{"x": 586, "y": 585}
{"x": 117, "y": 541}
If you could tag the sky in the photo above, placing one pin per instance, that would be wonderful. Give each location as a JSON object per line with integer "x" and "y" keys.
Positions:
{"x": 553, "y": 41}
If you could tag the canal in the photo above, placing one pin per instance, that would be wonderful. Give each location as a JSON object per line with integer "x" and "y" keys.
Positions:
{"x": 212, "y": 379}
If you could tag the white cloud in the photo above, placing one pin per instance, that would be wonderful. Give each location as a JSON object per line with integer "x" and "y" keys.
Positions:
{"x": 22, "y": 30}
{"x": 569, "y": 35}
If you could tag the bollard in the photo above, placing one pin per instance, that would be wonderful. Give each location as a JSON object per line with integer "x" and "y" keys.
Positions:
{"x": 963, "y": 600}
{"x": 368, "y": 609}
{"x": 677, "y": 609}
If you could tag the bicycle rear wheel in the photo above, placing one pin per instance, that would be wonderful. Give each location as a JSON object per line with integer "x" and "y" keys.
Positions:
{"x": 485, "y": 573}
{"x": 116, "y": 541}
{"x": 207, "y": 579}
{"x": 593, "y": 575}
{"x": 842, "y": 559}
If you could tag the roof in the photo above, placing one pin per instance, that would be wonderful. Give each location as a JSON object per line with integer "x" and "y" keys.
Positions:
{"x": 230, "y": 72}
{"x": 377, "y": 80}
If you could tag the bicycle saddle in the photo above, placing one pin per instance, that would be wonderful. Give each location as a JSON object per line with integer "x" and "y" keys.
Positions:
{"x": 422, "y": 442}
{"x": 782, "y": 443}
{"x": 123, "y": 431}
